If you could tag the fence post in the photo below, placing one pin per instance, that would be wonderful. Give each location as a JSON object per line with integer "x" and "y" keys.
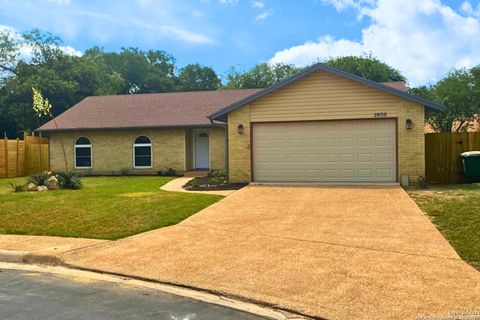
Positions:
{"x": 18, "y": 165}
{"x": 6, "y": 153}
{"x": 25, "y": 152}
{"x": 40, "y": 152}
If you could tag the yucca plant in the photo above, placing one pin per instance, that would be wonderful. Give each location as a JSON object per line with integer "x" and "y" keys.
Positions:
{"x": 69, "y": 180}
{"x": 40, "y": 179}
{"x": 17, "y": 187}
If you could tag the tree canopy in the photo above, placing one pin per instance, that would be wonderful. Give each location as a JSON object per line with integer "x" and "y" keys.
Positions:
{"x": 261, "y": 75}
{"x": 65, "y": 79}
{"x": 367, "y": 66}
{"x": 264, "y": 75}
{"x": 194, "y": 77}
{"x": 459, "y": 91}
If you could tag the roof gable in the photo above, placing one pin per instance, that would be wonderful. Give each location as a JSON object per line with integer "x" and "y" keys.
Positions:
{"x": 388, "y": 88}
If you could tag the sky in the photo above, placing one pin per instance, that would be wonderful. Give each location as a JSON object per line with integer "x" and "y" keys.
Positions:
{"x": 424, "y": 39}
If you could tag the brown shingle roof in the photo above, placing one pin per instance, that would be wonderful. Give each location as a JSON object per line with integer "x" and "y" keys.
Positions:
{"x": 146, "y": 110}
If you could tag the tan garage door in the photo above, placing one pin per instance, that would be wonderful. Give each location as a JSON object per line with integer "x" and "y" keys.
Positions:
{"x": 349, "y": 151}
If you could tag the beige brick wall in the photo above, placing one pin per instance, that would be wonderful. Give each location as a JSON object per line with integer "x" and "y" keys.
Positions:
{"x": 189, "y": 149}
{"x": 411, "y": 143}
{"x": 217, "y": 148}
{"x": 239, "y": 145}
{"x": 113, "y": 150}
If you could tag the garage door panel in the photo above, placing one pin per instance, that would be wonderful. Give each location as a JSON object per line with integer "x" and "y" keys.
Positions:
{"x": 347, "y": 142}
{"x": 362, "y": 150}
{"x": 383, "y": 158}
{"x": 365, "y": 158}
{"x": 383, "y": 142}
{"x": 347, "y": 157}
{"x": 365, "y": 141}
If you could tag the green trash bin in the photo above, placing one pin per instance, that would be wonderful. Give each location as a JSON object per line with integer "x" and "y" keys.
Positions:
{"x": 471, "y": 165}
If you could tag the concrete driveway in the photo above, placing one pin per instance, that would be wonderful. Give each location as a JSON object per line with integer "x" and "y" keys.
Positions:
{"x": 336, "y": 253}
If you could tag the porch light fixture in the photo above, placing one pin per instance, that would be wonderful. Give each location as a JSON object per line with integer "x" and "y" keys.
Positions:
{"x": 409, "y": 124}
{"x": 240, "y": 129}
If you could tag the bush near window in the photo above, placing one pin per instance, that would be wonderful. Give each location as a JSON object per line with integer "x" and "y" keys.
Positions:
{"x": 170, "y": 172}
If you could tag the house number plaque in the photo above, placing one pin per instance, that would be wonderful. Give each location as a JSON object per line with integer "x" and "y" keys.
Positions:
{"x": 379, "y": 114}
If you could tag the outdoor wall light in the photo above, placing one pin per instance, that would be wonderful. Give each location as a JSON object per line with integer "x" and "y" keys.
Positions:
{"x": 409, "y": 124}
{"x": 240, "y": 129}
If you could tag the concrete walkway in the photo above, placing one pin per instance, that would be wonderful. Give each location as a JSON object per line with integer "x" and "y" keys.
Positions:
{"x": 177, "y": 184}
{"x": 337, "y": 253}
{"x": 19, "y": 248}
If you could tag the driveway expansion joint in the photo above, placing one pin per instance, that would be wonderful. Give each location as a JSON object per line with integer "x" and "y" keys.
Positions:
{"x": 323, "y": 242}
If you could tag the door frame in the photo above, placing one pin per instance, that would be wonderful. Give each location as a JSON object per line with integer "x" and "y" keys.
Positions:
{"x": 194, "y": 144}
{"x": 397, "y": 174}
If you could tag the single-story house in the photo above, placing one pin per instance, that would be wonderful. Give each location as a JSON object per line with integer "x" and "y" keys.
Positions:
{"x": 322, "y": 125}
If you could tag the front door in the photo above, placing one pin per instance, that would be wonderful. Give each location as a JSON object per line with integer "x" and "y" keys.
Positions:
{"x": 202, "y": 160}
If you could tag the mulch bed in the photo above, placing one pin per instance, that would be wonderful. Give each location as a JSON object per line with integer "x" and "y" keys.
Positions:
{"x": 207, "y": 184}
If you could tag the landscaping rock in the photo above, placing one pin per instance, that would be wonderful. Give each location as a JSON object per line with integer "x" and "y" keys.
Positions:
{"x": 42, "y": 188}
{"x": 32, "y": 187}
{"x": 52, "y": 183}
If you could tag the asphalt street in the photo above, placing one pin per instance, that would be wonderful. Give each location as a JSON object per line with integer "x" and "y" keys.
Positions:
{"x": 31, "y": 295}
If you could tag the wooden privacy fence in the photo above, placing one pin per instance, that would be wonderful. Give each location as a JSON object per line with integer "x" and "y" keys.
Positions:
{"x": 23, "y": 157}
{"x": 443, "y": 163}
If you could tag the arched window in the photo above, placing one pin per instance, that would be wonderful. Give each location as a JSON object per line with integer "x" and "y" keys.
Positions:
{"x": 142, "y": 152}
{"x": 83, "y": 153}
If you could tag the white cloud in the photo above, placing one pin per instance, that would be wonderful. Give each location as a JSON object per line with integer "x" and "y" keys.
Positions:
{"x": 423, "y": 39}
{"x": 264, "y": 15}
{"x": 71, "y": 51}
{"x": 233, "y": 2}
{"x": 468, "y": 9}
{"x": 175, "y": 32}
{"x": 149, "y": 22}
{"x": 26, "y": 51}
{"x": 258, "y": 4}
{"x": 341, "y": 5}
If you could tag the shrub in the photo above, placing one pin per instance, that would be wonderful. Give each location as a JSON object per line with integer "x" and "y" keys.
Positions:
{"x": 69, "y": 180}
{"x": 170, "y": 172}
{"x": 40, "y": 179}
{"x": 219, "y": 176}
{"x": 17, "y": 187}
{"x": 422, "y": 182}
{"x": 195, "y": 183}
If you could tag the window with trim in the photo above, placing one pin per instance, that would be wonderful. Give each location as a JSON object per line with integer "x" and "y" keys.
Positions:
{"x": 142, "y": 152}
{"x": 83, "y": 153}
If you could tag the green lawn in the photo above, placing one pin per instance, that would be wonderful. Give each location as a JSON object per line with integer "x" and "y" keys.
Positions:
{"x": 455, "y": 210}
{"x": 105, "y": 208}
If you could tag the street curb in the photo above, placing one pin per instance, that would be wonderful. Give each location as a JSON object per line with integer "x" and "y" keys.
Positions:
{"x": 292, "y": 313}
{"x": 199, "y": 295}
{"x": 12, "y": 255}
{"x": 29, "y": 258}
{"x": 17, "y": 256}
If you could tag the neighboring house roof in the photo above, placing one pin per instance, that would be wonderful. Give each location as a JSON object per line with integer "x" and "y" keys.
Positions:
{"x": 471, "y": 126}
{"x": 152, "y": 110}
{"x": 399, "y": 85}
{"x": 221, "y": 114}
